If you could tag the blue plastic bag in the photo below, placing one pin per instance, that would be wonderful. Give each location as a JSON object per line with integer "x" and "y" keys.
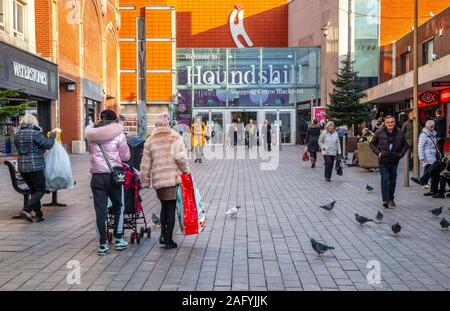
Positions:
{"x": 58, "y": 171}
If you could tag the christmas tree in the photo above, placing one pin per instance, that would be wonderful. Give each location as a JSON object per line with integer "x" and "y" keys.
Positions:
{"x": 346, "y": 107}
{"x": 11, "y": 104}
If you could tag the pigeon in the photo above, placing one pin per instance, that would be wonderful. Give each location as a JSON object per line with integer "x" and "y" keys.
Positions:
{"x": 328, "y": 207}
{"x": 155, "y": 219}
{"x": 444, "y": 223}
{"x": 233, "y": 211}
{"x": 361, "y": 219}
{"x": 369, "y": 188}
{"x": 319, "y": 247}
{"x": 436, "y": 212}
{"x": 396, "y": 228}
{"x": 379, "y": 216}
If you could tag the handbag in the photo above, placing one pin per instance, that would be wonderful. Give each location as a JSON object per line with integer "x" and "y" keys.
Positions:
{"x": 305, "y": 156}
{"x": 118, "y": 173}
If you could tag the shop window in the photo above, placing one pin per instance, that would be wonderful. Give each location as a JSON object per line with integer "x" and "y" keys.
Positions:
{"x": 18, "y": 20}
{"x": 427, "y": 52}
{"x": 404, "y": 63}
{"x": 2, "y": 15}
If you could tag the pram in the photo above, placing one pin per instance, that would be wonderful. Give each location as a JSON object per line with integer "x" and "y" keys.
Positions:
{"x": 133, "y": 217}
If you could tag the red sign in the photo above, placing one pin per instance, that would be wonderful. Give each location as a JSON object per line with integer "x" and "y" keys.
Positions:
{"x": 428, "y": 98}
{"x": 445, "y": 96}
{"x": 319, "y": 113}
{"x": 440, "y": 84}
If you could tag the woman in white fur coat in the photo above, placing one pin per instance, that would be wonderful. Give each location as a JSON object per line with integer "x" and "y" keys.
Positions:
{"x": 163, "y": 161}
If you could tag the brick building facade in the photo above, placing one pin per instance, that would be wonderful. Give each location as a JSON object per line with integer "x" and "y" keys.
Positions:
{"x": 81, "y": 36}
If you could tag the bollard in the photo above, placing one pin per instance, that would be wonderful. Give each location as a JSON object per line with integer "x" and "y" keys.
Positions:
{"x": 406, "y": 168}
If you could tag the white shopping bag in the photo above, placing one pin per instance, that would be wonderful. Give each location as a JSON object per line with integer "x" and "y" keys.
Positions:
{"x": 58, "y": 171}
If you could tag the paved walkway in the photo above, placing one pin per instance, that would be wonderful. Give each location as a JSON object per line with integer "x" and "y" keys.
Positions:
{"x": 265, "y": 248}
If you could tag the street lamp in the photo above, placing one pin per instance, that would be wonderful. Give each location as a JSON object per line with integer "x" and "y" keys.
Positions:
{"x": 415, "y": 91}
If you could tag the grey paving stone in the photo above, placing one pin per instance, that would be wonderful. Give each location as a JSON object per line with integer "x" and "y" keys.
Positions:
{"x": 266, "y": 247}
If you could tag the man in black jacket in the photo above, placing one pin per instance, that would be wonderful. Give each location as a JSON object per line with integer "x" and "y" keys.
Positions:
{"x": 440, "y": 126}
{"x": 389, "y": 144}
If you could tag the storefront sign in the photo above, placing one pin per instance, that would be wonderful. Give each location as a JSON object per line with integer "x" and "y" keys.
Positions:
{"x": 445, "y": 96}
{"x": 428, "y": 98}
{"x": 130, "y": 123}
{"x": 29, "y": 73}
{"x": 319, "y": 113}
{"x": 440, "y": 84}
{"x": 288, "y": 75}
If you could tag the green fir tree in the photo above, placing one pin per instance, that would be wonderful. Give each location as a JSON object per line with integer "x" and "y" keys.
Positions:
{"x": 11, "y": 104}
{"x": 346, "y": 107}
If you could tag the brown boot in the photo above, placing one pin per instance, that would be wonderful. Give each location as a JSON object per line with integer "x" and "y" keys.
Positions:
{"x": 313, "y": 163}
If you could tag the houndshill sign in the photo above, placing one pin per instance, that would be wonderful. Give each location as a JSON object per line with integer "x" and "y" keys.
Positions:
{"x": 289, "y": 75}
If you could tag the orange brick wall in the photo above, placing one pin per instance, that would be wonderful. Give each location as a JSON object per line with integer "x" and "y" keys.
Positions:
{"x": 128, "y": 55}
{"x": 159, "y": 55}
{"x": 42, "y": 9}
{"x": 199, "y": 24}
{"x": 128, "y": 89}
{"x": 158, "y": 86}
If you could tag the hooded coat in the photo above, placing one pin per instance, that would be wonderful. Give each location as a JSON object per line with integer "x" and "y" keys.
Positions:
{"x": 114, "y": 144}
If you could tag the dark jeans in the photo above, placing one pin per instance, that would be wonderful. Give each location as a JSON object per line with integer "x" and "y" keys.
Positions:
{"x": 440, "y": 145}
{"x": 329, "y": 163}
{"x": 36, "y": 183}
{"x": 103, "y": 187}
{"x": 432, "y": 172}
{"x": 168, "y": 218}
{"x": 313, "y": 154}
{"x": 388, "y": 180}
{"x": 435, "y": 170}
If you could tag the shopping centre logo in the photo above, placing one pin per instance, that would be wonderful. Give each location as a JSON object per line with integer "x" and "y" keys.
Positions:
{"x": 237, "y": 27}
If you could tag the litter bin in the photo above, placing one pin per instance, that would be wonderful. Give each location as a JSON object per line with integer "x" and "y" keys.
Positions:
{"x": 136, "y": 145}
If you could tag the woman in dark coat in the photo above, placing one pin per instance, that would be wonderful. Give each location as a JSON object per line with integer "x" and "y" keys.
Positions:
{"x": 31, "y": 144}
{"x": 312, "y": 140}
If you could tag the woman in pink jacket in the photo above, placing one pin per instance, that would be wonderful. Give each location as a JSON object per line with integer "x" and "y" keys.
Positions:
{"x": 109, "y": 134}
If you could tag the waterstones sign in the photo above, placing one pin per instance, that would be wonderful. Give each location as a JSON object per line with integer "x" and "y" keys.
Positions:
{"x": 29, "y": 73}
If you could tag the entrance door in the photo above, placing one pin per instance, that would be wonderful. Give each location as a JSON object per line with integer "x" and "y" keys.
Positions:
{"x": 283, "y": 124}
{"x": 245, "y": 116}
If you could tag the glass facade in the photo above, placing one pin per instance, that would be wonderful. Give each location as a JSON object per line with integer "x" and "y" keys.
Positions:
{"x": 367, "y": 51}
{"x": 254, "y": 78}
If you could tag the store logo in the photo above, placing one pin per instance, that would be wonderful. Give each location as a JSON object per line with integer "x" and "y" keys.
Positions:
{"x": 290, "y": 74}
{"x": 26, "y": 72}
{"x": 237, "y": 29}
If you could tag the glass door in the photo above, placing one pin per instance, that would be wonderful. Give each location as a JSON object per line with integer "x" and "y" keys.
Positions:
{"x": 286, "y": 127}
{"x": 216, "y": 127}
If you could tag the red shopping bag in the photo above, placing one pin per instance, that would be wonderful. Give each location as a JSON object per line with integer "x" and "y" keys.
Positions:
{"x": 190, "y": 213}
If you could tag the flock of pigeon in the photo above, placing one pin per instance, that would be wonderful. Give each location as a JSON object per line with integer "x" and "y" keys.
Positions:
{"x": 321, "y": 248}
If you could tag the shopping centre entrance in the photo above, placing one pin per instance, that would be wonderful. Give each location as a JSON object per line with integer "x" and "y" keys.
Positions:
{"x": 282, "y": 121}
